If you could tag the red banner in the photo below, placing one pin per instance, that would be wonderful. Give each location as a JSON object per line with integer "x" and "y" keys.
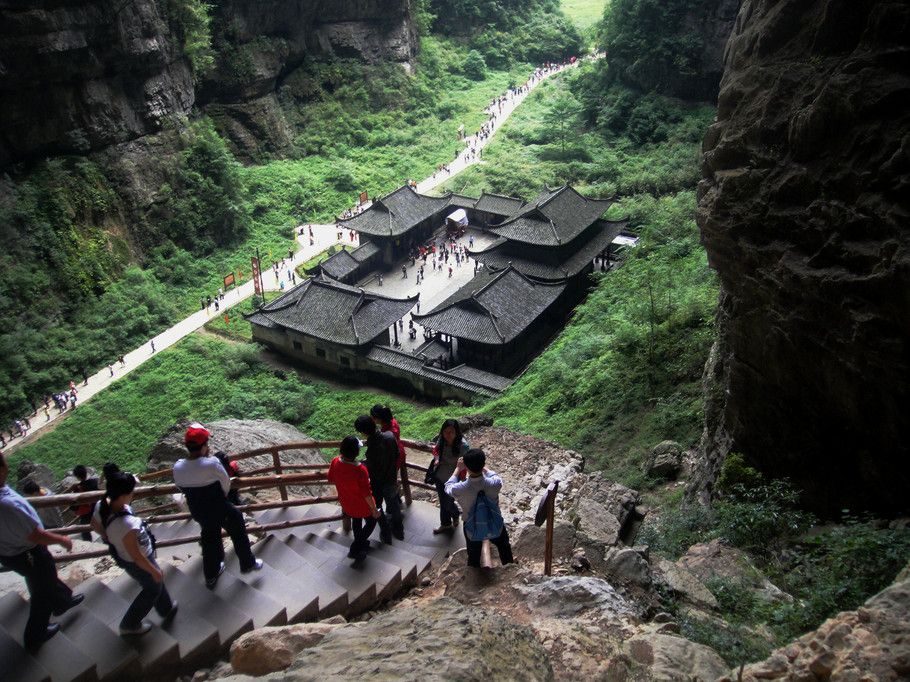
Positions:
{"x": 364, "y": 198}
{"x": 256, "y": 283}
{"x": 229, "y": 280}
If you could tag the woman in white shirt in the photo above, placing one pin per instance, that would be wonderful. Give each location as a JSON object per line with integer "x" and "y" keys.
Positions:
{"x": 129, "y": 538}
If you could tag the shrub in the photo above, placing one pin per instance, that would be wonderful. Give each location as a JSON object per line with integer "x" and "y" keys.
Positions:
{"x": 474, "y": 67}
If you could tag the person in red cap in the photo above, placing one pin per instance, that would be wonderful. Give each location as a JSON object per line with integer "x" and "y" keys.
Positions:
{"x": 205, "y": 484}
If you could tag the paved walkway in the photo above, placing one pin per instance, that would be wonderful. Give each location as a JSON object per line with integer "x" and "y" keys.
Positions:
{"x": 435, "y": 288}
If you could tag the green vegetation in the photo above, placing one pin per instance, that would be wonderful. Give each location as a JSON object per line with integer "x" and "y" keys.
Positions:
{"x": 206, "y": 379}
{"x": 192, "y": 23}
{"x": 506, "y": 32}
{"x": 234, "y": 328}
{"x": 585, "y": 14}
{"x": 827, "y": 570}
{"x": 645, "y": 43}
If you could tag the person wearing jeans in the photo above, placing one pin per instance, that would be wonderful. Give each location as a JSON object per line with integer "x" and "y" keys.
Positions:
{"x": 450, "y": 445}
{"x": 131, "y": 544}
{"x": 352, "y": 481}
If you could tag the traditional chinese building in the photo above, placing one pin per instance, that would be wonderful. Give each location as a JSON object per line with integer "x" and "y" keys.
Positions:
{"x": 328, "y": 325}
{"x": 498, "y": 320}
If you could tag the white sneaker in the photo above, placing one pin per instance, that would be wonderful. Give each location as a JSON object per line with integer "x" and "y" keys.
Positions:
{"x": 257, "y": 565}
{"x": 143, "y": 627}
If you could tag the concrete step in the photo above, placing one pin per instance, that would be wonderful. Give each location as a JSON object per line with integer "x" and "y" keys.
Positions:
{"x": 17, "y": 664}
{"x": 156, "y": 650}
{"x": 177, "y": 529}
{"x": 412, "y": 565}
{"x": 332, "y": 597}
{"x": 59, "y": 656}
{"x": 419, "y": 521}
{"x": 197, "y": 639}
{"x": 300, "y": 604}
{"x": 114, "y": 658}
{"x": 230, "y": 620}
{"x": 298, "y": 514}
{"x": 386, "y": 576}
{"x": 260, "y": 607}
{"x": 359, "y": 585}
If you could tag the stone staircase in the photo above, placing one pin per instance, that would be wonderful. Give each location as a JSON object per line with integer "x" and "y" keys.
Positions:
{"x": 307, "y": 576}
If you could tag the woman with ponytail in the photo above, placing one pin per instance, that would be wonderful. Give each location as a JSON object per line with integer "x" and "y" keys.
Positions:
{"x": 132, "y": 544}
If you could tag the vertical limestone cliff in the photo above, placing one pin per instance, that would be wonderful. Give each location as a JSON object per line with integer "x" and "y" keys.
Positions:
{"x": 804, "y": 211}
{"x": 82, "y": 76}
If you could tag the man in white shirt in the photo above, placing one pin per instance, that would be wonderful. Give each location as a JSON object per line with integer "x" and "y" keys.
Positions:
{"x": 23, "y": 549}
{"x": 465, "y": 492}
{"x": 205, "y": 484}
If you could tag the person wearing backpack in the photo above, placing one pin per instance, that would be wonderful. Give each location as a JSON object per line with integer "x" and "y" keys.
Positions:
{"x": 133, "y": 547}
{"x": 478, "y": 497}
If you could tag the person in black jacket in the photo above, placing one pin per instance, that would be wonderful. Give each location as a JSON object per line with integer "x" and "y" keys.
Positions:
{"x": 205, "y": 483}
{"x": 381, "y": 461}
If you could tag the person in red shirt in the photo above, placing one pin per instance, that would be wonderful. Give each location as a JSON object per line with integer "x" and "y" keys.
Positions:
{"x": 352, "y": 481}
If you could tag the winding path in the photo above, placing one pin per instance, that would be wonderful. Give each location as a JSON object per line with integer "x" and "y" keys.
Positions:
{"x": 324, "y": 236}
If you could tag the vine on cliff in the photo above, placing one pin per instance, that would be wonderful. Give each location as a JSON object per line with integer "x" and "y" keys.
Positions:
{"x": 192, "y": 22}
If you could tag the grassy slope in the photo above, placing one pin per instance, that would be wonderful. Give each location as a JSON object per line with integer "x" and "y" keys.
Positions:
{"x": 584, "y": 13}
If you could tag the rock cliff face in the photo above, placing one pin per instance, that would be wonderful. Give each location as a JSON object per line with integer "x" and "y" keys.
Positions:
{"x": 77, "y": 77}
{"x": 80, "y": 76}
{"x": 803, "y": 211}
{"x": 683, "y": 55}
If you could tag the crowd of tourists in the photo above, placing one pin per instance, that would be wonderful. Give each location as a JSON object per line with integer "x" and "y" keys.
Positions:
{"x": 367, "y": 488}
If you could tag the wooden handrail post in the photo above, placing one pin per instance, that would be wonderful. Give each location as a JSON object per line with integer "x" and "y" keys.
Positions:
{"x": 546, "y": 512}
{"x": 276, "y": 461}
{"x": 405, "y": 484}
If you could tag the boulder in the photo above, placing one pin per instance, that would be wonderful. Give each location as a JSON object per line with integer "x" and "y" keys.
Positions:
{"x": 684, "y": 584}
{"x": 437, "y": 640}
{"x": 239, "y": 435}
{"x": 672, "y": 658}
{"x": 627, "y": 566}
{"x": 596, "y": 529}
{"x": 530, "y": 541}
{"x": 665, "y": 460}
{"x": 271, "y": 649}
{"x": 871, "y": 643}
{"x": 567, "y": 596}
{"x": 39, "y": 473}
{"x": 716, "y": 560}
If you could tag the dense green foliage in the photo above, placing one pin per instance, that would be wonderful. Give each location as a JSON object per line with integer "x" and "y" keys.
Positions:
{"x": 192, "y": 21}
{"x": 506, "y": 32}
{"x": 645, "y": 43}
{"x": 70, "y": 303}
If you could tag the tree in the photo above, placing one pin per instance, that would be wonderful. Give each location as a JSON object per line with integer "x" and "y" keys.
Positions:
{"x": 562, "y": 119}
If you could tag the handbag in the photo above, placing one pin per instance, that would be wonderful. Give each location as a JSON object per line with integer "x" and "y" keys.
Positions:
{"x": 430, "y": 477}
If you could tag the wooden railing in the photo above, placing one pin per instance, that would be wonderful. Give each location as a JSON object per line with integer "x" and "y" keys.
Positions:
{"x": 250, "y": 480}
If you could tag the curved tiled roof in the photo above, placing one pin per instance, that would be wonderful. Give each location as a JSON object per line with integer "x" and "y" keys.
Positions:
{"x": 396, "y": 213}
{"x": 339, "y": 265}
{"x": 467, "y": 378}
{"x": 332, "y": 311}
{"x": 549, "y": 262}
{"x": 555, "y": 217}
{"x": 492, "y": 308}
{"x": 498, "y": 204}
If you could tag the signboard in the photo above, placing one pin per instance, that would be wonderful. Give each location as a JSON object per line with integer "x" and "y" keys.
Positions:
{"x": 229, "y": 281}
{"x": 364, "y": 198}
{"x": 257, "y": 285}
